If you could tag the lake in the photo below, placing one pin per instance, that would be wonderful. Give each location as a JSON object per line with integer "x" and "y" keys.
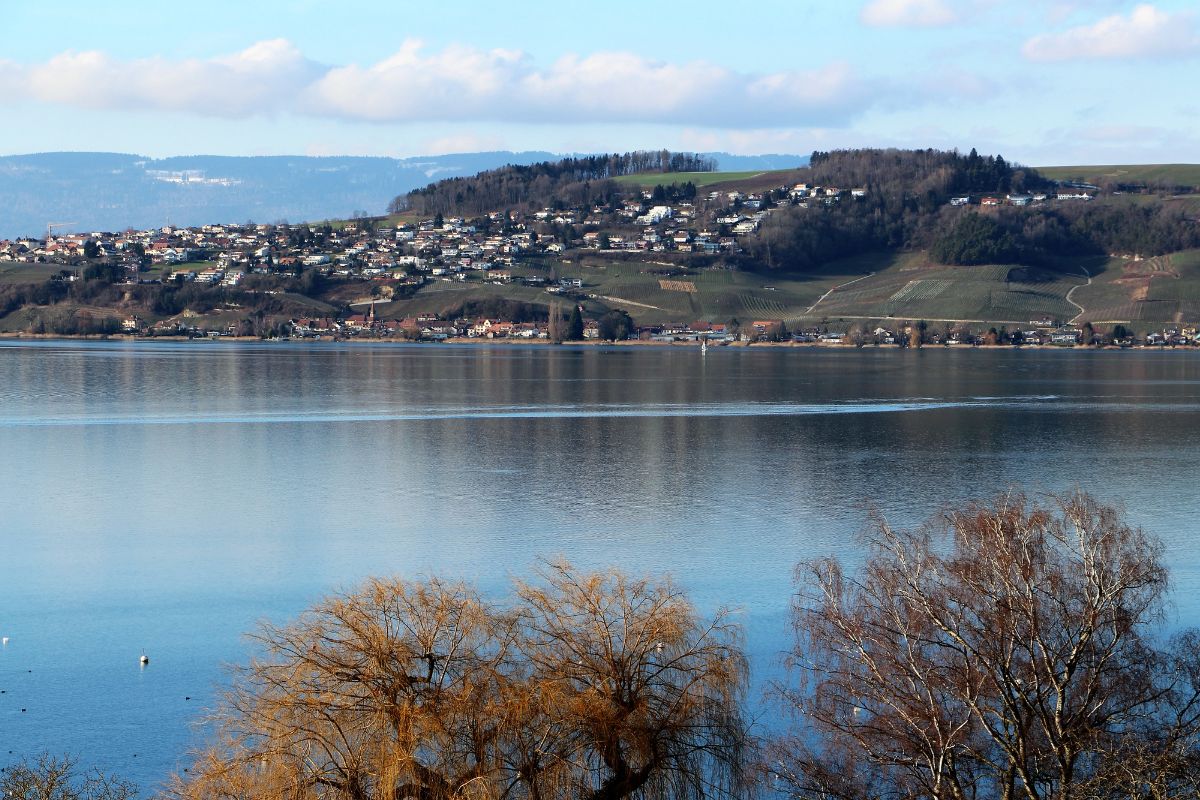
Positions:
{"x": 161, "y": 498}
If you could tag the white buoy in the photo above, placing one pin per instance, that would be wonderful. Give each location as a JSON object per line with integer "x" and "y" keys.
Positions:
{"x": 4, "y": 640}
{"x": 144, "y": 660}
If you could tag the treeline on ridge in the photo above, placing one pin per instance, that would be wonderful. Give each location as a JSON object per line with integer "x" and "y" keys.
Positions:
{"x": 1026, "y": 236}
{"x": 549, "y": 184}
{"x": 907, "y": 206}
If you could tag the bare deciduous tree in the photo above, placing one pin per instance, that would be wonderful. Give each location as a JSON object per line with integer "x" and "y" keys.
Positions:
{"x": 587, "y": 685}
{"x": 1016, "y": 658}
{"x": 48, "y": 777}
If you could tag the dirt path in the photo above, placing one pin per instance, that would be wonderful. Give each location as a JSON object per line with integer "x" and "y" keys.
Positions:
{"x": 1072, "y": 302}
{"x": 625, "y": 302}
{"x": 834, "y": 289}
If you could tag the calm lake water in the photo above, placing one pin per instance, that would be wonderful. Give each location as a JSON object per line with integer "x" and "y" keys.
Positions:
{"x": 162, "y": 498}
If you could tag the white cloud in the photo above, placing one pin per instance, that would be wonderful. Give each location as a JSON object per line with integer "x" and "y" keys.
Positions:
{"x": 461, "y": 83}
{"x": 258, "y": 79}
{"x": 1145, "y": 32}
{"x": 753, "y": 142}
{"x": 454, "y": 84}
{"x": 908, "y": 13}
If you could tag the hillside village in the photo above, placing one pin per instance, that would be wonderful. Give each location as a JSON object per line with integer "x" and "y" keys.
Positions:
{"x": 373, "y": 261}
{"x": 391, "y": 258}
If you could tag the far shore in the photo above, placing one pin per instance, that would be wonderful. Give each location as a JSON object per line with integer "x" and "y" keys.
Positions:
{"x": 478, "y": 341}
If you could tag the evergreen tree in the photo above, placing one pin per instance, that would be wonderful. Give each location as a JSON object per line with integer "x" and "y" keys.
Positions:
{"x": 575, "y": 325}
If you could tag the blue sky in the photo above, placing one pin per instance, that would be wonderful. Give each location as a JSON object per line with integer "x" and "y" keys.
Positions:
{"x": 1040, "y": 81}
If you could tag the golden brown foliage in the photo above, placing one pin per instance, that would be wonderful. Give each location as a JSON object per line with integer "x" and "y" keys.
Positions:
{"x": 591, "y": 685}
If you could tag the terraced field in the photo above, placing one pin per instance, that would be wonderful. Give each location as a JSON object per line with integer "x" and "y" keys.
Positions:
{"x": 912, "y": 288}
{"x": 877, "y": 287}
{"x": 871, "y": 287}
{"x": 760, "y": 307}
{"x": 1165, "y": 289}
{"x": 719, "y": 294}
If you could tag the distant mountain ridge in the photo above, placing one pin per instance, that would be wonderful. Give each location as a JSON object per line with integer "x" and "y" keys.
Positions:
{"x": 114, "y": 191}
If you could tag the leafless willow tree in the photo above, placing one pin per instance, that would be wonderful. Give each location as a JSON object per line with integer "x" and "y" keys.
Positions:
{"x": 590, "y": 685}
{"x": 1009, "y": 650}
{"x": 48, "y": 777}
{"x": 646, "y": 696}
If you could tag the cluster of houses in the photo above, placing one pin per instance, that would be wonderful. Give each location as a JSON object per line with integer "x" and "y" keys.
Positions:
{"x": 490, "y": 248}
{"x": 484, "y": 248}
{"x": 487, "y": 248}
{"x": 430, "y": 327}
{"x": 1020, "y": 200}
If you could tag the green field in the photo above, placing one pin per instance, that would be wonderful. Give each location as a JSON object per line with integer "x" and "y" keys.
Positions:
{"x": 920, "y": 290}
{"x": 11, "y": 272}
{"x": 1151, "y": 174}
{"x": 1144, "y": 293}
{"x": 1165, "y": 289}
{"x": 699, "y": 179}
{"x": 877, "y": 286}
{"x": 900, "y": 286}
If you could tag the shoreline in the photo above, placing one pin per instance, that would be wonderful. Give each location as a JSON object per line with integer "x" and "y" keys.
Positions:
{"x": 476, "y": 342}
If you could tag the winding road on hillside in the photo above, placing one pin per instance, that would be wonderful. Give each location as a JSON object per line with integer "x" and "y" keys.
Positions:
{"x": 1075, "y": 318}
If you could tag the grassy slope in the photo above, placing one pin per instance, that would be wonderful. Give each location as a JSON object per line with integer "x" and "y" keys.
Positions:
{"x": 885, "y": 285}
{"x": 912, "y": 287}
{"x": 1155, "y": 290}
{"x": 1176, "y": 174}
{"x": 901, "y": 286}
{"x": 12, "y": 273}
{"x": 776, "y": 177}
{"x": 1143, "y": 293}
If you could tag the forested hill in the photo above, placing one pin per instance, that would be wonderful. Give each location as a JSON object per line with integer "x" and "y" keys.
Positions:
{"x": 907, "y": 205}
{"x": 929, "y": 176}
{"x": 568, "y": 182}
{"x": 928, "y": 200}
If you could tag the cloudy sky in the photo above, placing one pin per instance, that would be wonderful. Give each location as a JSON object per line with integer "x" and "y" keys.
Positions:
{"x": 1040, "y": 81}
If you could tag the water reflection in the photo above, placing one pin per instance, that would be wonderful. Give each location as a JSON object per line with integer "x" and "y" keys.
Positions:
{"x": 165, "y": 496}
